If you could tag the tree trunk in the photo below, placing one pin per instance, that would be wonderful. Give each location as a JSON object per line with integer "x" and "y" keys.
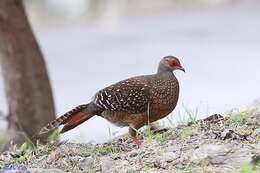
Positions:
{"x": 26, "y": 80}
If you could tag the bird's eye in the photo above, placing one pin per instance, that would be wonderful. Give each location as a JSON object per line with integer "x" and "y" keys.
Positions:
{"x": 173, "y": 62}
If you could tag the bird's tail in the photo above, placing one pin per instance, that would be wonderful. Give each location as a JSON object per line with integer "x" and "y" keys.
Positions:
{"x": 70, "y": 120}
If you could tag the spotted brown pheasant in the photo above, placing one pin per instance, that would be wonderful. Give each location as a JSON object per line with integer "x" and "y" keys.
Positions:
{"x": 133, "y": 102}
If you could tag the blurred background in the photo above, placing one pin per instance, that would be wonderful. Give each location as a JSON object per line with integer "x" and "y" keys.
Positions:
{"x": 89, "y": 44}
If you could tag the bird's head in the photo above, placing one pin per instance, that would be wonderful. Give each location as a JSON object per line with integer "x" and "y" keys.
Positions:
{"x": 170, "y": 63}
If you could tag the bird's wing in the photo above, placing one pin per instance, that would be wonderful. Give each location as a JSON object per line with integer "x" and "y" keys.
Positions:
{"x": 131, "y": 95}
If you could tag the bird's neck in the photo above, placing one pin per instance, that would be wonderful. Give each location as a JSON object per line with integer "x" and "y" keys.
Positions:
{"x": 165, "y": 73}
{"x": 163, "y": 69}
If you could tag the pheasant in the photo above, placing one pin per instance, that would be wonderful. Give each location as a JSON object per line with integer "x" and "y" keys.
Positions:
{"x": 133, "y": 102}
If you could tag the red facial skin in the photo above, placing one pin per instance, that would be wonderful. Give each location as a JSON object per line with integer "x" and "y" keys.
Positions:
{"x": 174, "y": 64}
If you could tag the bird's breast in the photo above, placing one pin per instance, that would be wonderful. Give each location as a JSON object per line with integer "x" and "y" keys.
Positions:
{"x": 123, "y": 119}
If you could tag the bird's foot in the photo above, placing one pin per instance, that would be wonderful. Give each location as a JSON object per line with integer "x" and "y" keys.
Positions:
{"x": 136, "y": 141}
{"x": 157, "y": 129}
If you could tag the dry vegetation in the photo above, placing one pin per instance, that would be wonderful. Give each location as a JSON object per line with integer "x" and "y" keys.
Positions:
{"x": 218, "y": 143}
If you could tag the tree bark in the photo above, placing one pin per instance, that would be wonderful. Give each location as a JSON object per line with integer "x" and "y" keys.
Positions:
{"x": 27, "y": 85}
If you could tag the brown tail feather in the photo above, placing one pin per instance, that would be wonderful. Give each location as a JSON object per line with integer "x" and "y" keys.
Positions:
{"x": 79, "y": 118}
{"x": 70, "y": 118}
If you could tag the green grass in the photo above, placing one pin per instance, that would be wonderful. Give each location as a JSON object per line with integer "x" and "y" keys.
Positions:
{"x": 101, "y": 150}
{"x": 247, "y": 168}
{"x": 108, "y": 150}
{"x": 241, "y": 117}
{"x": 183, "y": 117}
{"x": 54, "y": 136}
{"x": 189, "y": 116}
{"x": 87, "y": 153}
{"x": 28, "y": 141}
{"x": 28, "y": 146}
{"x": 186, "y": 132}
{"x": 241, "y": 121}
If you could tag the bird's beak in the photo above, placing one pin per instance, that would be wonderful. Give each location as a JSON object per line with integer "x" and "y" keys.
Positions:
{"x": 182, "y": 69}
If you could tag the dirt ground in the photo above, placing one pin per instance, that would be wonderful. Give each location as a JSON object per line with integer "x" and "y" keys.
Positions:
{"x": 229, "y": 143}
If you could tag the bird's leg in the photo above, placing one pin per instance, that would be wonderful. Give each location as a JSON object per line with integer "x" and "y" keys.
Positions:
{"x": 136, "y": 141}
{"x": 157, "y": 128}
{"x": 132, "y": 132}
{"x": 154, "y": 127}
